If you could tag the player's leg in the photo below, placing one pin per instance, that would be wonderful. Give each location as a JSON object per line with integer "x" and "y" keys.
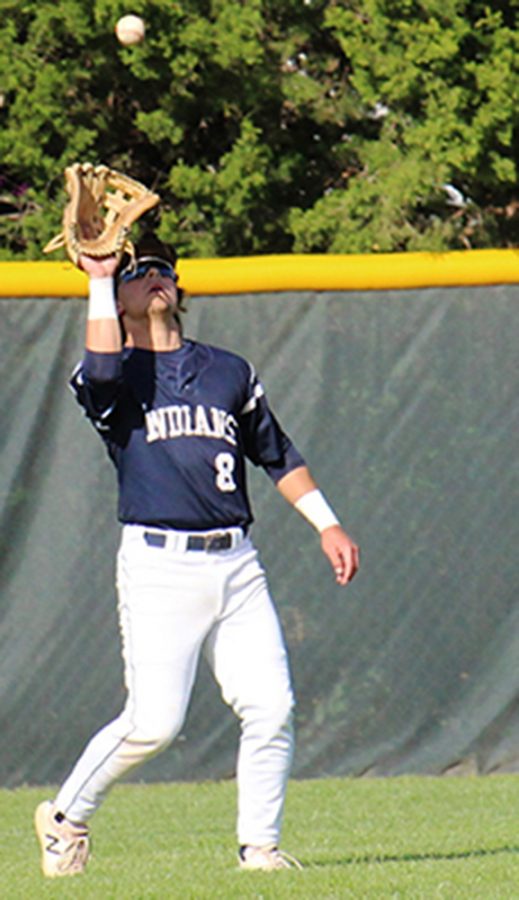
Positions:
{"x": 247, "y": 654}
{"x": 165, "y": 612}
{"x": 153, "y": 715}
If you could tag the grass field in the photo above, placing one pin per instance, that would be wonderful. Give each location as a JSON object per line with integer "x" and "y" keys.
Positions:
{"x": 357, "y": 838}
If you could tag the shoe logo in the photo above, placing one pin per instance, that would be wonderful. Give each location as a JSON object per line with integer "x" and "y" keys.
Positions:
{"x": 51, "y": 844}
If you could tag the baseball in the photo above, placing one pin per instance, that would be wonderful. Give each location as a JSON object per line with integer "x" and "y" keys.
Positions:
{"x": 130, "y": 30}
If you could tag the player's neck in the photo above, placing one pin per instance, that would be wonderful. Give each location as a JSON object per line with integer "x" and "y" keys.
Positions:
{"x": 154, "y": 335}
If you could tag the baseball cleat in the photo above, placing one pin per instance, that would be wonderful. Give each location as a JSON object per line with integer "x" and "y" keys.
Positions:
{"x": 266, "y": 859}
{"x": 64, "y": 846}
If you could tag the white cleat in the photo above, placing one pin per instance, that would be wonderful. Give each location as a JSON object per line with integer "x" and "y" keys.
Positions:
{"x": 267, "y": 859}
{"x": 64, "y": 846}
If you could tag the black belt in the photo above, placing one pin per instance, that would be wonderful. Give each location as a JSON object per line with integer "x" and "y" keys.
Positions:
{"x": 210, "y": 543}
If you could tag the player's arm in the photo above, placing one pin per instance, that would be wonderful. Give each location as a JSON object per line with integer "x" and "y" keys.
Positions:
{"x": 103, "y": 333}
{"x": 96, "y": 381}
{"x": 268, "y": 445}
{"x": 300, "y": 490}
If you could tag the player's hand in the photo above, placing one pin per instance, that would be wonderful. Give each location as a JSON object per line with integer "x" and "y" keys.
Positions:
{"x": 342, "y": 553}
{"x": 103, "y": 267}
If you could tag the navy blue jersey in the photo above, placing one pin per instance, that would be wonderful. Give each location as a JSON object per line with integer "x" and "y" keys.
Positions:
{"x": 178, "y": 426}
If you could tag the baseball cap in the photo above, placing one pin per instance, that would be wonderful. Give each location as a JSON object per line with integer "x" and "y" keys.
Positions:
{"x": 148, "y": 245}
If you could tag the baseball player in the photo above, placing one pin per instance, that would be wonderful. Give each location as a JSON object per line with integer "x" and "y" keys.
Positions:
{"x": 178, "y": 419}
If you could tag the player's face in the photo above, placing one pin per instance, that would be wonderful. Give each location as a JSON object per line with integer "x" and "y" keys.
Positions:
{"x": 148, "y": 287}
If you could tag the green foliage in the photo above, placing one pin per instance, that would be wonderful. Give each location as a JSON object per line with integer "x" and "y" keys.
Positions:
{"x": 305, "y": 125}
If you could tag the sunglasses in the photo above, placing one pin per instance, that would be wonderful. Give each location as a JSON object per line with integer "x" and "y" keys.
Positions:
{"x": 143, "y": 266}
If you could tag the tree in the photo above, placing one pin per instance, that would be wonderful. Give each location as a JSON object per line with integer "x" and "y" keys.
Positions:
{"x": 439, "y": 81}
{"x": 304, "y": 125}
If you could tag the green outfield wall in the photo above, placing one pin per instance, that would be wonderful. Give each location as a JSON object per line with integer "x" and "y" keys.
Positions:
{"x": 405, "y": 404}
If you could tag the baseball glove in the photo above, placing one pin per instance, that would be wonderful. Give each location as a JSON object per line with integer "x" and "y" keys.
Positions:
{"x": 102, "y": 207}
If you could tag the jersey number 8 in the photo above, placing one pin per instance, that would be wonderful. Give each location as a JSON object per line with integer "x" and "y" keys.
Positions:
{"x": 224, "y": 464}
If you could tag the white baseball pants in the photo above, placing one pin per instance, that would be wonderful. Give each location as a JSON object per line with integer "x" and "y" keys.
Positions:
{"x": 173, "y": 605}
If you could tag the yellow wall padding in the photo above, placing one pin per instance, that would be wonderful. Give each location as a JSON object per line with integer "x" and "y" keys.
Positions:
{"x": 246, "y": 275}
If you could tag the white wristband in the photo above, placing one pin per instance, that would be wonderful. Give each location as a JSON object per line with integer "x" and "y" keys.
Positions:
{"x": 316, "y": 510}
{"x": 101, "y": 299}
